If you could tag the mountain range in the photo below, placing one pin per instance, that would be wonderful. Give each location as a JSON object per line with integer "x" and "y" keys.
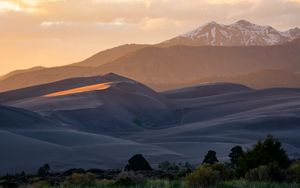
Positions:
{"x": 240, "y": 33}
{"x": 211, "y": 53}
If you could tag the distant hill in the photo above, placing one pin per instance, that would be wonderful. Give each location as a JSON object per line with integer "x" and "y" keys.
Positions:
{"x": 20, "y": 72}
{"x": 185, "y": 64}
{"x": 108, "y": 55}
{"x": 259, "y": 80}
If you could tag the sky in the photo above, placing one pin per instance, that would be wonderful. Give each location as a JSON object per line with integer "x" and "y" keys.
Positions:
{"x": 57, "y": 32}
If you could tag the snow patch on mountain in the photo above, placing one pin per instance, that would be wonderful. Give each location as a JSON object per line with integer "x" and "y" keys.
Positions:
{"x": 240, "y": 33}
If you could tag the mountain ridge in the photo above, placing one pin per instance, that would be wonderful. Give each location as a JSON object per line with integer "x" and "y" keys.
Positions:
{"x": 240, "y": 33}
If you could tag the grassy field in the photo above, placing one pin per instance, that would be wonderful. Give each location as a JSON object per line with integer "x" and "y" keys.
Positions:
{"x": 169, "y": 184}
{"x": 246, "y": 184}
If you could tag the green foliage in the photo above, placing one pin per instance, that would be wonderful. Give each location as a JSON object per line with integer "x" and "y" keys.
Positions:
{"x": 247, "y": 184}
{"x": 271, "y": 173}
{"x": 203, "y": 176}
{"x": 294, "y": 172}
{"x": 235, "y": 153}
{"x": 166, "y": 166}
{"x": 225, "y": 172}
{"x": 129, "y": 179}
{"x": 266, "y": 152}
{"x": 210, "y": 158}
{"x": 87, "y": 179}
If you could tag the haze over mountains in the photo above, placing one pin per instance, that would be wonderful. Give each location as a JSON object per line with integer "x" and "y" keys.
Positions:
{"x": 213, "y": 52}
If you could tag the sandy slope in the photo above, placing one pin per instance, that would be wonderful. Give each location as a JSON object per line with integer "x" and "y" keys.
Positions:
{"x": 28, "y": 141}
{"x": 96, "y": 128}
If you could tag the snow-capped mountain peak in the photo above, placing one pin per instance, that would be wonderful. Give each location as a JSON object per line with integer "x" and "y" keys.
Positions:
{"x": 240, "y": 33}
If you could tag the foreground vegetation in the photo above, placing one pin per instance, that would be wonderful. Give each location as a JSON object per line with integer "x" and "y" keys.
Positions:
{"x": 159, "y": 183}
{"x": 265, "y": 165}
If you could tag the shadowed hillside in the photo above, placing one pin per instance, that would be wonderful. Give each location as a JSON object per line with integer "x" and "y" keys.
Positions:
{"x": 180, "y": 65}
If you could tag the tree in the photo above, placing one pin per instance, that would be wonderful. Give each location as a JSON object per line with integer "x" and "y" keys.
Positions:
{"x": 235, "y": 154}
{"x": 165, "y": 166}
{"x": 44, "y": 170}
{"x": 210, "y": 158}
{"x": 137, "y": 162}
{"x": 266, "y": 152}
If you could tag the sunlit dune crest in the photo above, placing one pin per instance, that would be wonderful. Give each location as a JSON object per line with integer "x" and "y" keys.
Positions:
{"x": 94, "y": 87}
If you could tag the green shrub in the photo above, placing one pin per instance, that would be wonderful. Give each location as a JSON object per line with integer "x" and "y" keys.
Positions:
{"x": 203, "y": 176}
{"x": 130, "y": 178}
{"x": 294, "y": 172}
{"x": 87, "y": 179}
{"x": 248, "y": 184}
{"x": 225, "y": 172}
{"x": 266, "y": 173}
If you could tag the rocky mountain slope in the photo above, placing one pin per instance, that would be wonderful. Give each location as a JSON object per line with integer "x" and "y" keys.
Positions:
{"x": 241, "y": 33}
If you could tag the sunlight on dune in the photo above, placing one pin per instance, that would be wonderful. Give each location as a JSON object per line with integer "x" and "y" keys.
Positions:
{"x": 94, "y": 87}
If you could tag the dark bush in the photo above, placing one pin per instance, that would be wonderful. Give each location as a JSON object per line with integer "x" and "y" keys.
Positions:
{"x": 73, "y": 171}
{"x": 138, "y": 162}
{"x": 44, "y": 170}
{"x": 127, "y": 181}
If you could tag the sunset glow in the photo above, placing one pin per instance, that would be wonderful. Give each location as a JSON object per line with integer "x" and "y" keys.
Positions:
{"x": 57, "y": 32}
{"x": 95, "y": 87}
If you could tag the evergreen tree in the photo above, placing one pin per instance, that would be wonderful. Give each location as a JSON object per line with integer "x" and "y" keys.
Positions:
{"x": 210, "y": 158}
{"x": 235, "y": 154}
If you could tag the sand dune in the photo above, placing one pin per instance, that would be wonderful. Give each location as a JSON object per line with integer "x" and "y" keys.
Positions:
{"x": 94, "y": 87}
{"x": 79, "y": 125}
